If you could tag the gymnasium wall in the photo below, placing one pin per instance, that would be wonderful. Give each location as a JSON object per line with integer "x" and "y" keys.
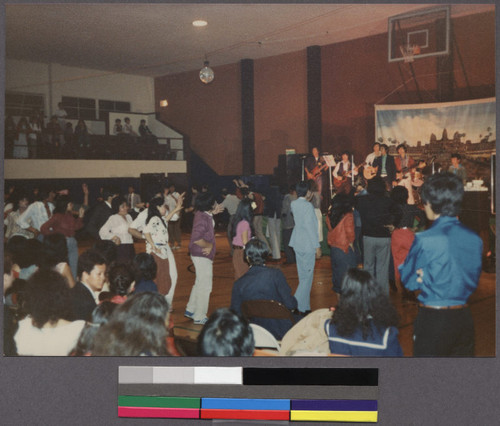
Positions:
{"x": 58, "y": 80}
{"x": 355, "y": 77}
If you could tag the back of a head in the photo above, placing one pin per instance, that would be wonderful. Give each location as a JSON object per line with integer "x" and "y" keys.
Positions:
{"x": 444, "y": 192}
{"x": 48, "y": 297}
{"x": 100, "y": 316}
{"x": 226, "y": 333}
{"x": 136, "y": 327}
{"x": 341, "y": 204}
{"x": 302, "y": 187}
{"x": 376, "y": 186}
{"x": 204, "y": 202}
{"x": 399, "y": 194}
{"x": 256, "y": 252}
{"x": 362, "y": 301}
{"x": 121, "y": 277}
{"x": 145, "y": 267}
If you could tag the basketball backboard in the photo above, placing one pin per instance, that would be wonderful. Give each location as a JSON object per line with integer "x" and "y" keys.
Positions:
{"x": 423, "y": 33}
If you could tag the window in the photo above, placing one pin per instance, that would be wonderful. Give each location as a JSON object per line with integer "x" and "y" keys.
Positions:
{"x": 23, "y": 104}
{"x": 105, "y": 107}
{"x": 79, "y": 108}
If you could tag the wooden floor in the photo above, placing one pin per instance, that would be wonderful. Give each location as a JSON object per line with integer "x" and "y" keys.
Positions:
{"x": 482, "y": 301}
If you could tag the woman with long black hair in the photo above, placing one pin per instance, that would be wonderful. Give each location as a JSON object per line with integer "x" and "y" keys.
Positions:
{"x": 241, "y": 233}
{"x": 156, "y": 235}
{"x": 340, "y": 223}
{"x": 364, "y": 322}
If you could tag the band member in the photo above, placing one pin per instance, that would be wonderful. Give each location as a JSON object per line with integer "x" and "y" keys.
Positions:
{"x": 403, "y": 161}
{"x": 343, "y": 173}
{"x": 456, "y": 168}
{"x": 369, "y": 171}
{"x": 314, "y": 168}
{"x": 386, "y": 168}
{"x": 406, "y": 174}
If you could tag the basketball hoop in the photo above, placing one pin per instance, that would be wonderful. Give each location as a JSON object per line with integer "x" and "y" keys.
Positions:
{"x": 409, "y": 51}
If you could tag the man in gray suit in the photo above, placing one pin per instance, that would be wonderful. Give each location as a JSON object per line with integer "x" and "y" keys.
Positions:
{"x": 305, "y": 241}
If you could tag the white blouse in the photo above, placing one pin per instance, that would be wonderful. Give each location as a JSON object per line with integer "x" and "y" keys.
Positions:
{"x": 117, "y": 226}
{"x": 159, "y": 235}
{"x": 51, "y": 341}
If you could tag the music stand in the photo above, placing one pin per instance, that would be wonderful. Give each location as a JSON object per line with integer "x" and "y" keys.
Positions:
{"x": 330, "y": 161}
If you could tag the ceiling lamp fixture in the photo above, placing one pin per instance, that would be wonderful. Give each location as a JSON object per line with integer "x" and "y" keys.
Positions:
{"x": 200, "y": 23}
{"x": 206, "y": 73}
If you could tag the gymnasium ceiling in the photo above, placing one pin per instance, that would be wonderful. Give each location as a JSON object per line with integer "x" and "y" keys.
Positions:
{"x": 158, "y": 39}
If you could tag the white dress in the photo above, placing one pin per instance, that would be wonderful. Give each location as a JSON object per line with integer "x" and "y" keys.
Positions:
{"x": 55, "y": 341}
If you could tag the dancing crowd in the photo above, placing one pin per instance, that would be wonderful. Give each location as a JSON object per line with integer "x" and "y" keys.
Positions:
{"x": 110, "y": 300}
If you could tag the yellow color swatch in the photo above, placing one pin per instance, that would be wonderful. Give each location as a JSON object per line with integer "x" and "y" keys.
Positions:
{"x": 335, "y": 416}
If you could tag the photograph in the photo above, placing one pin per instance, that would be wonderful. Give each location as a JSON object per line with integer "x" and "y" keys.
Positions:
{"x": 262, "y": 186}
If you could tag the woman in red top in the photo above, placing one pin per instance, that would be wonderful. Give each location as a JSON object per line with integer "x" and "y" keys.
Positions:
{"x": 340, "y": 223}
{"x": 63, "y": 222}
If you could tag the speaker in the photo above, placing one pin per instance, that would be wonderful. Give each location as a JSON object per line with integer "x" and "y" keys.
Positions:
{"x": 289, "y": 170}
{"x": 151, "y": 184}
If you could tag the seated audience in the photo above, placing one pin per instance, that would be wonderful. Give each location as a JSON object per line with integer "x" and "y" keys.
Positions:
{"x": 145, "y": 269}
{"x": 54, "y": 256}
{"x": 48, "y": 329}
{"x": 261, "y": 282}
{"x": 137, "y": 327}
{"x": 118, "y": 128}
{"x": 226, "y": 333}
{"x": 100, "y": 316}
{"x": 364, "y": 322}
{"x": 91, "y": 277}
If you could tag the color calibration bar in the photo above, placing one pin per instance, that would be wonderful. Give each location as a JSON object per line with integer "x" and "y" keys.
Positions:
{"x": 236, "y": 393}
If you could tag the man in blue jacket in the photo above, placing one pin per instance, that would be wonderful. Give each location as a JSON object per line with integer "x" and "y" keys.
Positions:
{"x": 304, "y": 241}
{"x": 444, "y": 263}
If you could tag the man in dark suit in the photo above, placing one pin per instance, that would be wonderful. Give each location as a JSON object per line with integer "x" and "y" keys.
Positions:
{"x": 386, "y": 168}
{"x": 85, "y": 294}
{"x": 101, "y": 213}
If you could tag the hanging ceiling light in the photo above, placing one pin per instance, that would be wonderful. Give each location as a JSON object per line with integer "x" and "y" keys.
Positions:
{"x": 206, "y": 73}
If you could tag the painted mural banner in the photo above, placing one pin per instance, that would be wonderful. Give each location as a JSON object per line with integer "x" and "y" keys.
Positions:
{"x": 432, "y": 132}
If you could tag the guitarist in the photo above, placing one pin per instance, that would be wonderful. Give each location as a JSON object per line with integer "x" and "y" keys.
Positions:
{"x": 343, "y": 172}
{"x": 314, "y": 169}
{"x": 369, "y": 171}
{"x": 403, "y": 161}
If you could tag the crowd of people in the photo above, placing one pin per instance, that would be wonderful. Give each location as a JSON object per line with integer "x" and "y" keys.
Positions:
{"x": 110, "y": 300}
{"x": 56, "y": 137}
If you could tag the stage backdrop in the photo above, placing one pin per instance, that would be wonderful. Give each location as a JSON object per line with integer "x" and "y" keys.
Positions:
{"x": 435, "y": 131}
